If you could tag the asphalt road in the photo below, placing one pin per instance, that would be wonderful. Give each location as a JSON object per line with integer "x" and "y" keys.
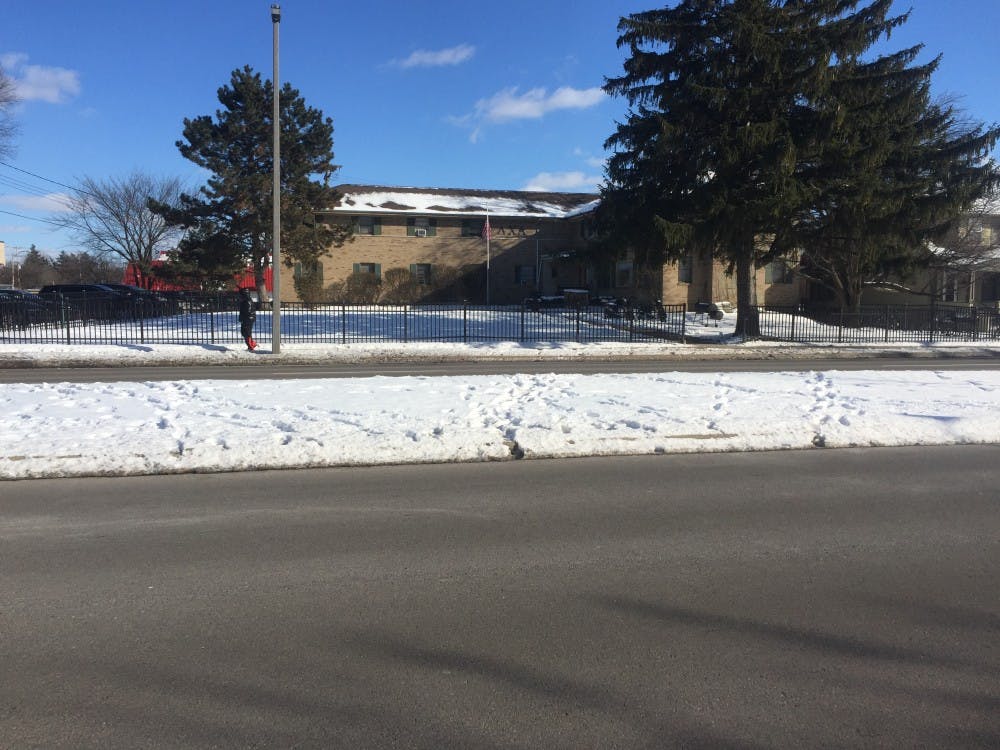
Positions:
{"x": 794, "y": 599}
{"x": 85, "y": 374}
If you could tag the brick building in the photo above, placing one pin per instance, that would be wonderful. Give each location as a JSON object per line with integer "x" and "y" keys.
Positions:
{"x": 539, "y": 243}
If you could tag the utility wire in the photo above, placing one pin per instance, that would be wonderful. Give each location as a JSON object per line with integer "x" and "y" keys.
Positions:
{"x": 31, "y": 218}
{"x": 54, "y": 182}
{"x": 24, "y": 187}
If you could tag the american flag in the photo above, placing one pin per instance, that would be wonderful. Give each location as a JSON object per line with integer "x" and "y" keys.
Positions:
{"x": 486, "y": 228}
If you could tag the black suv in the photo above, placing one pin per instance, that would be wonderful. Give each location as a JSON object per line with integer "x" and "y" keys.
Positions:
{"x": 87, "y": 301}
{"x": 144, "y": 302}
{"x": 21, "y": 309}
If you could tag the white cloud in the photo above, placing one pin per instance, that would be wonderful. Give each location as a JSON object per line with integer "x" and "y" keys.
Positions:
{"x": 51, "y": 203}
{"x": 509, "y": 105}
{"x": 38, "y": 82}
{"x": 558, "y": 181}
{"x": 422, "y": 58}
{"x": 15, "y": 229}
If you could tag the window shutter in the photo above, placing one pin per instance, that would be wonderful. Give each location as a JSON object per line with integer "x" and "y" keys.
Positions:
{"x": 357, "y": 268}
{"x": 413, "y": 270}
{"x": 432, "y": 227}
{"x": 411, "y": 226}
{"x": 298, "y": 271}
{"x": 376, "y": 225}
{"x": 378, "y": 270}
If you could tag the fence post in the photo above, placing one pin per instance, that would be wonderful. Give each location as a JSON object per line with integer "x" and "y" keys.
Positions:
{"x": 840, "y": 327}
{"x": 142, "y": 327}
{"x": 522, "y": 321}
{"x": 406, "y": 324}
{"x": 885, "y": 322}
{"x": 975, "y": 324}
{"x": 64, "y": 310}
{"x": 465, "y": 322}
{"x": 578, "y": 325}
{"x": 684, "y": 320}
{"x": 211, "y": 319}
{"x": 343, "y": 322}
{"x": 794, "y": 310}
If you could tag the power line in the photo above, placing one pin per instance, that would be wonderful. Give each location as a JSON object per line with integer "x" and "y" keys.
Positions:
{"x": 24, "y": 187}
{"x": 31, "y": 218}
{"x": 54, "y": 182}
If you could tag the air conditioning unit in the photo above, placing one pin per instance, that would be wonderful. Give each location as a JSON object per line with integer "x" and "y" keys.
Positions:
{"x": 420, "y": 232}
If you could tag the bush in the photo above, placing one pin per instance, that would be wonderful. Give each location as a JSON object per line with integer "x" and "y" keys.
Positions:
{"x": 309, "y": 288}
{"x": 399, "y": 287}
{"x": 356, "y": 289}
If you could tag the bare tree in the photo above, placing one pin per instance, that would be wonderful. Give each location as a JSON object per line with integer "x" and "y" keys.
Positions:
{"x": 8, "y": 128}
{"x": 112, "y": 217}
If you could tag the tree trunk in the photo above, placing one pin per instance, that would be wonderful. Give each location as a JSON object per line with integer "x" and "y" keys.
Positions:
{"x": 747, "y": 316}
{"x": 852, "y": 298}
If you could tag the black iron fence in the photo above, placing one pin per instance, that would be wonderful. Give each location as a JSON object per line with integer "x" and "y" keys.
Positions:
{"x": 880, "y": 324}
{"x": 212, "y": 319}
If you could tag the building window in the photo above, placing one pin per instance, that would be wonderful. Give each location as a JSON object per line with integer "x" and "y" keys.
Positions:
{"x": 684, "y": 269}
{"x": 778, "y": 272}
{"x": 990, "y": 287}
{"x": 312, "y": 271}
{"x": 421, "y": 226}
{"x": 375, "y": 269}
{"x": 472, "y": 228}
{"x": 950, "y": 291}
{"x": 623, "y": 273}
{"x": 524, "y": 275}
{"x": 367, "y": 225}
{"x": 421, "y": 273}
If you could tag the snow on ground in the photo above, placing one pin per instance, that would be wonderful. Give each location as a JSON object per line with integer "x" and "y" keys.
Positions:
{"x": 68, "y": 429}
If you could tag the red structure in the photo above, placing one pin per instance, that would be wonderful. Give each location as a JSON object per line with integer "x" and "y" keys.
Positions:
{"x": 131, "y": 276}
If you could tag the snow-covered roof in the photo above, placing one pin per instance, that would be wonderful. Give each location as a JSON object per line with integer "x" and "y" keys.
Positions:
{"x": 457, "y": 202}
{"x": 988, "y": 205}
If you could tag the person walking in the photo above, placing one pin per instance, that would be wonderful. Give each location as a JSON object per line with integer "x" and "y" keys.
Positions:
{"x": 248, "y": 316}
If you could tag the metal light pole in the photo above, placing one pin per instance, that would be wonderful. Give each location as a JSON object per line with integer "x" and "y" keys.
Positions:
{"x": 276, "y": 196}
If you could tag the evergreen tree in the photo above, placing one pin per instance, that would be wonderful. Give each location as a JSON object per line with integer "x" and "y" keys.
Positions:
{"x": 36, "y": 270}
{"x": 896, "y": 171}
{"x": 229, "y": 222}
{"x": 86, "y": 268}
{"x": 724, "y": 112}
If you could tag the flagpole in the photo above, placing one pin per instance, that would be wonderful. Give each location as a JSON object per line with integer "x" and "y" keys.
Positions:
{"x": 488, "y": 233}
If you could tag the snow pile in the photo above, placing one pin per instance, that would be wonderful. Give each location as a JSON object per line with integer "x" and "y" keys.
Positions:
{"x": 63, "y": 429}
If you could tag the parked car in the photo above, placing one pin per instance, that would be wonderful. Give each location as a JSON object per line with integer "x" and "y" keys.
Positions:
{"x": 87, "y": 301}
{"x": 19, "y": 309}
{"x": 544, "y": 302}
{"x": 144, "y": 302}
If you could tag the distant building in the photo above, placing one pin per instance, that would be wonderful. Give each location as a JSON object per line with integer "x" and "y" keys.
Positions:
{"x": 132, "y": 276}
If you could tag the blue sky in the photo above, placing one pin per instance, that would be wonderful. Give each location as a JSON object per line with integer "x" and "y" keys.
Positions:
{"x": 430, "y": 94}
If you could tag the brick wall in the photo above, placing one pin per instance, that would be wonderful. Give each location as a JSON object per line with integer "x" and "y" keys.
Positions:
{"x": 514, "y": 242}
